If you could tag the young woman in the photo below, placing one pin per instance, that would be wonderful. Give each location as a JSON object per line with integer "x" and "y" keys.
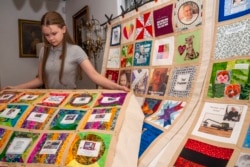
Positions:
{"x": 60, "y": 59}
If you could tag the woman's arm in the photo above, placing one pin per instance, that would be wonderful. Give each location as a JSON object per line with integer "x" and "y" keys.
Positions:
{"x": 32, "y": 84}
{"x": 100, "y": 80}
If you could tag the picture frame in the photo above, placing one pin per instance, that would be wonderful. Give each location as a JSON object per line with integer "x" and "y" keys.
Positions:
{"x": 30, "y": 33}
{"x": 79, "y": 19}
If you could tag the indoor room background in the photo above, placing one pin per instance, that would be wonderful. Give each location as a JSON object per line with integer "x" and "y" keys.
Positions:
{"x": 15, "y": 70}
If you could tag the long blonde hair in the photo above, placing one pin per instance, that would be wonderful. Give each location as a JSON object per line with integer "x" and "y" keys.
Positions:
{"x": 54, "y": 18}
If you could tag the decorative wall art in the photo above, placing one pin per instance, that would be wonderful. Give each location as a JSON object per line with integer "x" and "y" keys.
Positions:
{"x": 30, "y": 34}
{"x": 79, "y": 20}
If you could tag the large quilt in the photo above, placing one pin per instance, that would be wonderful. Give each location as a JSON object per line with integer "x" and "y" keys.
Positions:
{"x": 76, "y": 128}
{"x": 187, "y": 62}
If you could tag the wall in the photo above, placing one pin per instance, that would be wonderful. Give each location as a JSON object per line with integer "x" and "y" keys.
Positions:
{"x": 15, "y": 70}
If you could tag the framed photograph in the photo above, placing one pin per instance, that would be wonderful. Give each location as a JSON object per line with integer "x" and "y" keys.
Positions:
{"x": 30, "y": 33}
{"x": 79, "y": 21}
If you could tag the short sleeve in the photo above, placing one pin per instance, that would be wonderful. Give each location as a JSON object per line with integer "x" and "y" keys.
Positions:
{"x": 77, "y": 53}
{"x": 41, "y": 54}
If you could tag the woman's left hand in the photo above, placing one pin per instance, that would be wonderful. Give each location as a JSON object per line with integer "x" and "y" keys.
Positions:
{"x": 124, "y": 88}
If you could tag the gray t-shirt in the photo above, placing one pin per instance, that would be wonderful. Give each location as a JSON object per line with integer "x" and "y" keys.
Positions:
{"x": 75, "y": 55}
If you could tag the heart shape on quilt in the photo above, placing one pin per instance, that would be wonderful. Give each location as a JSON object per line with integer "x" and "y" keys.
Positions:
{"x": 181, "y": 49}
{"x": 128, "y": 30}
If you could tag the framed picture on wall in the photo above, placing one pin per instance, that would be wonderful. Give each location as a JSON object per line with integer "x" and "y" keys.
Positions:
{"x": 79, "y": 25}
{"x": 30, "y": 34}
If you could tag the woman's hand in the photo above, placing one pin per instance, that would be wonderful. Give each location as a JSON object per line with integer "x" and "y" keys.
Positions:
{"x": 124, "y": 88}
{"x": 8, "y": 87}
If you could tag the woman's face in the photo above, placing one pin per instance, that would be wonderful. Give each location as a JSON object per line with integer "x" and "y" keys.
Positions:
{"x": 54, "y": 34}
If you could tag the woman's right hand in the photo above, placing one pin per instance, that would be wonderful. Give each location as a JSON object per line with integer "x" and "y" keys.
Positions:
{"x": 8, "y": 87}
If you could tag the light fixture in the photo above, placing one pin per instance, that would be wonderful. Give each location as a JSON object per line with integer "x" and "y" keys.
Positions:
{"x": 94, "y": 40}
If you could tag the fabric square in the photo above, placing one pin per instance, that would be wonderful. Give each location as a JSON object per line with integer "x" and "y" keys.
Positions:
{"x": 50, "y": 148}
{"x": 182, "y": 79}
{"x": 102, "y": 119}
{"x": 149, "y": 134}
{"x": 67, "y": 119}
{"x": 237, "y": 84}
{"x": 112, "y": 75}
{"x": 127, "y": 55}
{"x": 188, "y": 47}
{"x": 163, "y": 20}
{"x": 158, "y": 81}
{"x": 187, "y": 14}
{"x": 16, "y": 152}
{"x": 203, "y": 154}
{"x": 88, "y": 149}
{"x": 225, "y": 45}
{"x": 163, "y": 51}
{"x": 150, "y": 106}
{"x": 37, "y": 118}
{"x": 115, "y": 35}
{"x": 168, "y": 112}
{"x": 110, "y": 99}
{"x": 142, "y": 53}
{"x": 7, "y": 96}
{"x": 128, "y": 31}
{"x": 125, "y": 78}
{"x": 28, "y": 97}
{"x": 220, "y": 122}
{"x": 144, "y": 27}
{"x": 11, "y": 114}
{"x": 114, "y": 58}
{"x": 229, "y": 9}
{"x": 54, "y": 99}
{"x": 81, "y": 100}
{"x": 139, "y": 81}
